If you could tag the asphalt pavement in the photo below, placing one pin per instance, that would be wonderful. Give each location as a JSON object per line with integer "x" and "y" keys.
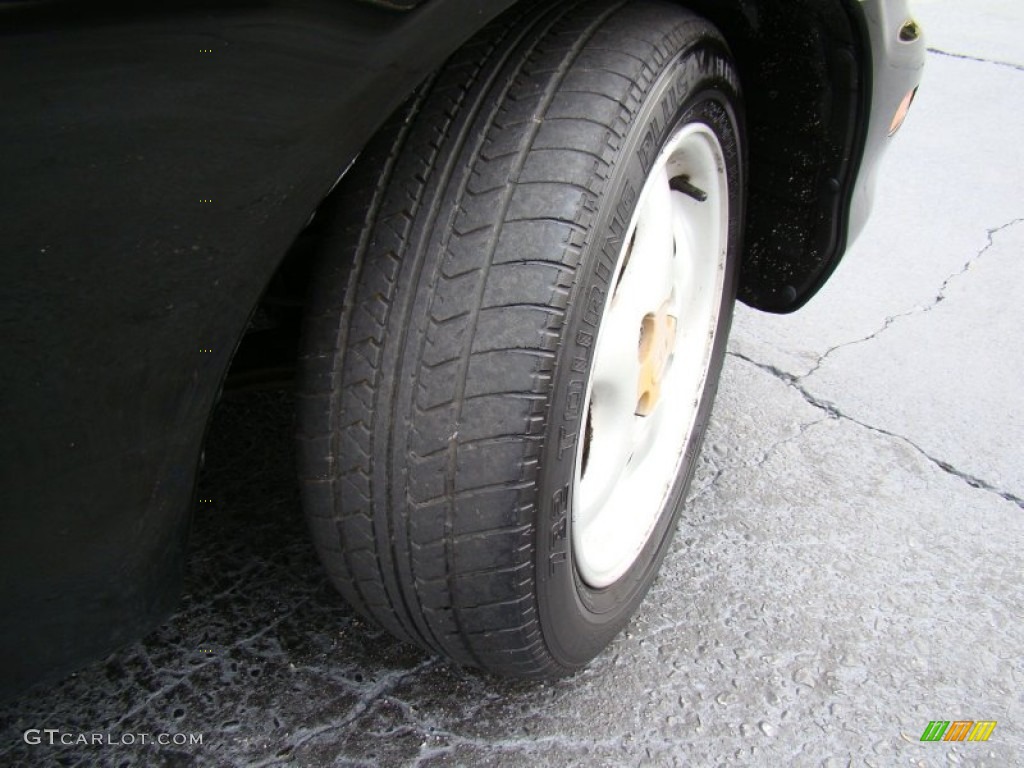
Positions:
{"x": 849, "y": 567}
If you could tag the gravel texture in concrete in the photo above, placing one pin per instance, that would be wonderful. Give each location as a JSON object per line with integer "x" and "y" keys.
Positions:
{"x": 849, "y": 566}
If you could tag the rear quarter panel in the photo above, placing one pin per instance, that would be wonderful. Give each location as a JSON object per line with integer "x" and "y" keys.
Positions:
{"x": 155, "y": 164}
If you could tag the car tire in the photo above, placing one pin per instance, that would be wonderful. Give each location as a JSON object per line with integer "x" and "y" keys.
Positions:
{"x": 516, "y": 329}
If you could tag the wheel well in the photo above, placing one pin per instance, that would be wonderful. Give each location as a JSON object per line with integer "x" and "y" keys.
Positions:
{"x": 805, "y": 86}
{"x": 800, "y": 65}
{"x": 267, "y": 354}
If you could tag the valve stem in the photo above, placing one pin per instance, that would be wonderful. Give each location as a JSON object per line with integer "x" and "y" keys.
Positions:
{"x": 682, "y": 184}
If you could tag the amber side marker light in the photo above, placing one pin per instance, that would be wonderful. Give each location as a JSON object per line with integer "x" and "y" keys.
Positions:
{"x": 901, "y": 113}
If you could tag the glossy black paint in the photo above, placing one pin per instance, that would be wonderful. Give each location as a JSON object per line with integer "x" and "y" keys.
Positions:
{"x": 157, "y": 164}
{"x": 155, "y": 167}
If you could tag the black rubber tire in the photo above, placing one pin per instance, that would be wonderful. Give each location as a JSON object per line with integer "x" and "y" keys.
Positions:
{"x": 444, "y": 346}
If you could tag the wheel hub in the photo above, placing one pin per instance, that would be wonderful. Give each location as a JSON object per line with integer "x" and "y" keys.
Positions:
{"x": 657, "y": 340}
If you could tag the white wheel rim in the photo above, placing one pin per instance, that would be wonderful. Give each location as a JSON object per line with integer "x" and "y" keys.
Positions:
{"x": 655, "y": 342}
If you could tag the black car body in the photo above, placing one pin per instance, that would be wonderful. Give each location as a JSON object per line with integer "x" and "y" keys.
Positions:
{"x": 160, "y": 163}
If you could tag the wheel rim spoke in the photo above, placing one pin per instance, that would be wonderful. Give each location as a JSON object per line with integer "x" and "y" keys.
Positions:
{"x": 652, "y": 263}
{"x": 612, "y": 408}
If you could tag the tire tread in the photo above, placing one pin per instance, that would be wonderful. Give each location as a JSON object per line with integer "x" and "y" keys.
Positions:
{"x": 427, "y": 365}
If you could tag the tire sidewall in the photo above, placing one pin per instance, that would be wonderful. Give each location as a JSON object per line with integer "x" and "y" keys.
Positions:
{"x": 698, "y": 85}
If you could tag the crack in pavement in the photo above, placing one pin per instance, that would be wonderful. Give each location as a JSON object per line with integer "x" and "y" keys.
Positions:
{"x": 834, "y": 412}
{"x": 757, "y": 463}
{"x": 990, "y": 235}
{"x": 966, "y": 57}
{"x": 380, "y": 689}
{"x": 693, "y": 495}
{"x": 165, "y": 689}
{"x": 779, "y": 443}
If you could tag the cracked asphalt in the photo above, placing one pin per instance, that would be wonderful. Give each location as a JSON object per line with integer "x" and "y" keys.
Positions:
{"x": 848, "y": 569}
